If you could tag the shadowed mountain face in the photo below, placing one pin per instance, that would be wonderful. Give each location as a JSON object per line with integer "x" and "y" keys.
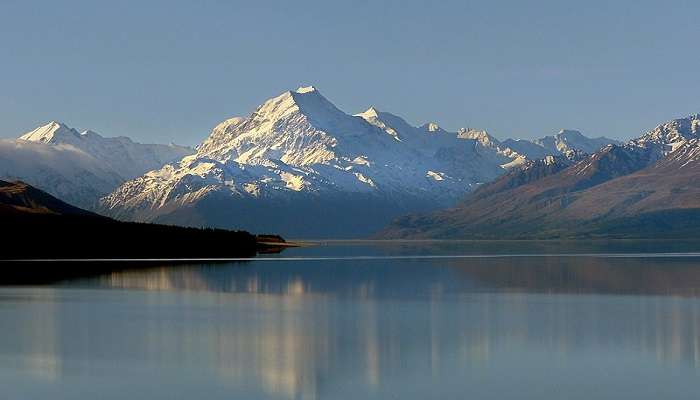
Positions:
{"x": 19, "y": 198}
{"x": 646, "y": 188}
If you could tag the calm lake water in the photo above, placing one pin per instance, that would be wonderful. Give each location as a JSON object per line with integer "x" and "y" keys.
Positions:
{"x": 368, "y": 321}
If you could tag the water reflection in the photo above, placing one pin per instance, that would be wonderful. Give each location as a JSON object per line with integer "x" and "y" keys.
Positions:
{"x": 39, "y": 347}
{"x": 679, "y": 276}
{"x": 371, "y": 329}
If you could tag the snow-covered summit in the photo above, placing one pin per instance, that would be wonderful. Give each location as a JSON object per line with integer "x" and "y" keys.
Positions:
{"x": 125, "y": 157}
{"x": 56, "y": 132}
{"x": 305, "y": 89}
{"x": 79, "y": 167}
{"x": 480, "y": 135}
{"x": 298, "y": 145}
{"x": 432, "y": 127}
{"x": 669, "y": 136}
{"x": 569, "y": 139}
{"x": 299, "y": 166}
{"x": 294, "y": 127}
{"x": 564, "y": 141}
{"x": 370, "y": 113}
{"x": 49, "y": 132}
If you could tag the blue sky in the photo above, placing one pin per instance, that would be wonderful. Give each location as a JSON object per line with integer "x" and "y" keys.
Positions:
{"x": 169, "y": 71}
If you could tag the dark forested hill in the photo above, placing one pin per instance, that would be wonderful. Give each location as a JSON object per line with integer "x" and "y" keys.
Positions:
{"x": 37, "y": 225}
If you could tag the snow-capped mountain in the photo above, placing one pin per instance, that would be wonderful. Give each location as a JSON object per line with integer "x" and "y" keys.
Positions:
{"x": 300, "y": 166}
{"x": 62, "y": 170}
{"x": 668, "y": 137}
{"x": 662, "y": 142}
{"x": 559, "y": 144}
{"x": 79, "y": 167}
{"x": 647, "y": 187}
{"x": 120, "y": 154}
{"x": 567, "y": 140}
{"x": 516, "y": 158}
{"x": 527, "y": 148}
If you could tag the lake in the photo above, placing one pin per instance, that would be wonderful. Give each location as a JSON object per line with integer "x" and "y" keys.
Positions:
{"x": 363, "y": 320}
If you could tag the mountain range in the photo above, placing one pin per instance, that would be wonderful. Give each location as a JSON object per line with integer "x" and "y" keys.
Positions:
{"x": 80, "y": 167}
{"x": 564, "y": 141}
{"x": 301, "y": 167}
{"x": 645, "y": 188}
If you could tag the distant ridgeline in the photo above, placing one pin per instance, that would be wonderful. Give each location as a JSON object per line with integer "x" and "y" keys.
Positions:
{"x": 37, "y": 225}
{"x": 646, "y": 188}
{"x": 79, "y": 167}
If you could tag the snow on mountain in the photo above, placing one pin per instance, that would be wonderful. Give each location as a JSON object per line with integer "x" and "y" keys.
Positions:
{"x": 675, "y": 139}
{"x": 52, "y": 132}
{"x": 516, "y": 159}
{"x": 668, "y": 137}
{"x": 124, "y": 156}
{"x": 527, "y": 148}
{"x": 481, "y": 136}
{"x": 63, "y": 170}
{"x": 686, "y": 155}
{"x": 297, "y": 150}
{"x": 559, "y": 144}
{"x": 79, "y": 167}
{"x": 646, "y": 187}
{"x": 567, "y": 140}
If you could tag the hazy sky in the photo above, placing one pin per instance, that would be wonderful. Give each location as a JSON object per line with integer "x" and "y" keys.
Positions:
{"x": 169, "y": 71}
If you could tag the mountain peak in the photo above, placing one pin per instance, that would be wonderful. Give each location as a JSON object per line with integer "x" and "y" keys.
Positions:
{"x": 306, "y": 89}
{"x": 569, "y": 132}
{"x": 431, "y": 127}
{"x": 311, "y": 103}
{"x": 305, "y": 99}
{"x": 370, "y": 113}
{"x": 46, "y": 133}
{"x": 669, "y": 136}
{"x": 482, "y": 136}
{"x": 298, "y": 126}
{"x": 56, "y": 124}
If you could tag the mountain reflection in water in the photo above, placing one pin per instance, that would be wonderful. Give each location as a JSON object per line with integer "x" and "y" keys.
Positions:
{"x": 368, "y": 329}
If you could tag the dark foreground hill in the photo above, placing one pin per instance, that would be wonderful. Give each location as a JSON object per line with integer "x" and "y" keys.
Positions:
{"x": 36, "y": 225}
